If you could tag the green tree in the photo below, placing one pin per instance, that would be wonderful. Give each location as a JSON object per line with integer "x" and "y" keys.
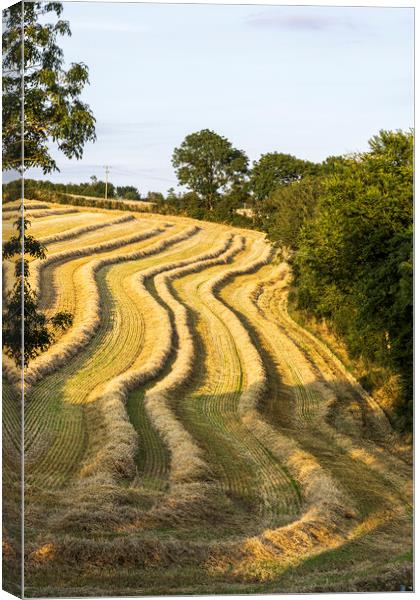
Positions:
{"x": 275, "y": 169}
{"x": 52, "y": 111}
{"x": 284, "y": 212}
{"x": 354, "y": 262}
{"x": 128, "y": 192}
{"x": 157, "y": 197}
{"x": 38, "y": 329}
{"x": 208, "y": 165}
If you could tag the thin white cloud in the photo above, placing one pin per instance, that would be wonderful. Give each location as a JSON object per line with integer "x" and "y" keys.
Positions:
{"x": 296, "y": 22}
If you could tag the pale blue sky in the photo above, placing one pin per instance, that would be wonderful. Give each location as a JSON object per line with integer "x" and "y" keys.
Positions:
{"x": 310, "y": 81}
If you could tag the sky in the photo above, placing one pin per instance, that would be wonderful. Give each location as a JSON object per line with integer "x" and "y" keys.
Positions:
{"x": 309, "y": 81}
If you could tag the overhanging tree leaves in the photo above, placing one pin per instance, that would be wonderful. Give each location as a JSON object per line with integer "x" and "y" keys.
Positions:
{"x": 52, "y": 112}
{"x": 208, "y": 164}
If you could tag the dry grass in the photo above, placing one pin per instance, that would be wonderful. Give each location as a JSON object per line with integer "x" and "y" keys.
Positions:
{"x": 120, "y": 447}
{"x": 186, "y": 460}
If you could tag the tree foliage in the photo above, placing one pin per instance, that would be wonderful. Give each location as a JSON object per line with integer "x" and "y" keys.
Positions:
{"x": 284, "y": 212}
{"x": 39, "y": 331}
{"x": 53, "y": 109}
{"x": 208, "y": 165}
{"x": 354, "y": 261}
{"x": 276, "y": 169}
{"x": 128, "y": 192}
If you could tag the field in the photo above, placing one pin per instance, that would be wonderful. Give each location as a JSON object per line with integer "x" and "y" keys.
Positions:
{"x": 185, "y": 435}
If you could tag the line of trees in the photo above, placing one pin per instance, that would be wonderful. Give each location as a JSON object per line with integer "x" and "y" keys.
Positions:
{"x": 353, "y": 261}
{"x": 95, "y": 188}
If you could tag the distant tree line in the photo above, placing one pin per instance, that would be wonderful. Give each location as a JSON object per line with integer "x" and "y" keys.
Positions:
{"x": 94, "y": 188}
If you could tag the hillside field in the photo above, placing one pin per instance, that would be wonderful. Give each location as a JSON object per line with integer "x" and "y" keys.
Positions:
{"x": 185, "y": 435}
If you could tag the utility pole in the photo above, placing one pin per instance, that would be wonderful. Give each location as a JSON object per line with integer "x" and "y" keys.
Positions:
{"x": 106, "y": 181}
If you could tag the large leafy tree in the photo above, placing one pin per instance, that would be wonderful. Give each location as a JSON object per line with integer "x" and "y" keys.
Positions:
{"x": 53, "y": 110}
{"x": 354, "y": 263}
{"x": 208, "y": 165}
{"x": 276, "y": 169}
{"x": 41, "y": 104}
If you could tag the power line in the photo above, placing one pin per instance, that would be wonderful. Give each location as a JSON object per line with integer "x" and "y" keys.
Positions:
{"x": 141, "y": 173}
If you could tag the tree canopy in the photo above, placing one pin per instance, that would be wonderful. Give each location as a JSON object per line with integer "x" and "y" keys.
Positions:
{"x": 284, "y": 212}
{"x": 53, "y": 109}
{"x": 354, "y": 264}
{"x": 275, "y": 169}
{"x": 208, "y": 164}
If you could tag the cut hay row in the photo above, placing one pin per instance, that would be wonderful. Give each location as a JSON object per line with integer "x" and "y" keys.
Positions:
{"x": 329, "y": 363}
{"x": 47, "y": 226}
{"x": 38, "y": 214}
{"x": 115, "y": 428}
{"x": 95, "y": 239}
{"x": 28, "y": 206}
{"x": 276, "y": 492}
{"x": 312, "y": 396}
{"x": 326, "y": 511}
{"x": 186, "y": 460}
{"x": 354, "y": 443}
{"x": 15, "y": 208}
{"x": 78, "y": 231}
{"x": 209, "y": 407}
{"x": 103, "y": 415}
{"x": 326, "y": 503}
{"x": 61, "y": 282}
{"x": 65, "y": 255}
{"x": 41, "y": 394}
{"x": 151, "y": 467}
{"x": 92, "y": 367}
{"x": 152, "y": 458}
{"x": 80, "y": 334}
